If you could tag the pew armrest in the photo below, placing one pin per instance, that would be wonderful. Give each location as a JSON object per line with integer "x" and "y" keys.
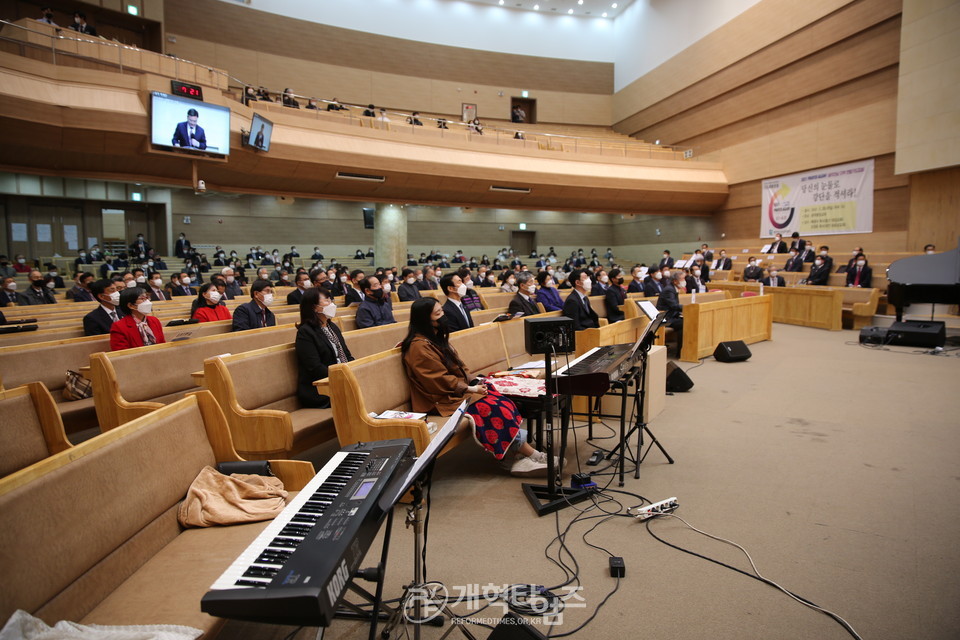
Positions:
{"x": 295, "y": 474}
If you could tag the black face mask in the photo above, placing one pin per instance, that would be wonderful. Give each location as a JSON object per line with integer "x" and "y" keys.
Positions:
{"x": 376, "y": 294}
{"x": 443, "y": 328}
{"x": 37, "y": 283}
{"x": 48, "y": 16}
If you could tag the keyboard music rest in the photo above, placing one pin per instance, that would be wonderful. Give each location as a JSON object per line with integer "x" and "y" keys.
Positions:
{"x": 297, "y": 569}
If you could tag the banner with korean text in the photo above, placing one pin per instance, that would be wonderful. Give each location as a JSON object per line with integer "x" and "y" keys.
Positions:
{"x": 830, "y": 200}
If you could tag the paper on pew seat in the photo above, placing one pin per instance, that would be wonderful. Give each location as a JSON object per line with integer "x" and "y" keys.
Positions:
{"x": 24, "y": 626}
{"x": 533, "y": 364}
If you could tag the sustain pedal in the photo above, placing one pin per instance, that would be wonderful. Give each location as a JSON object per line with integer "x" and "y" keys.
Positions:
{"x": 595, "y": 459}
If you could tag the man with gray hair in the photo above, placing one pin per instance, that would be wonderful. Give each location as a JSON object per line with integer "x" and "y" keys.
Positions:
{"x": 233, "y": 287}
{"x": 669, "y": 301}
{"x": 523, "y": 303}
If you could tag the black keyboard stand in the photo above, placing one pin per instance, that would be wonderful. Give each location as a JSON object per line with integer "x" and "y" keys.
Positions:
{"x": 636, "y": 376}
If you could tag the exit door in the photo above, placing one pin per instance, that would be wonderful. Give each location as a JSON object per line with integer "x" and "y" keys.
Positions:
{"x": 523, "y": 242}
{"x": 529, "y": 106}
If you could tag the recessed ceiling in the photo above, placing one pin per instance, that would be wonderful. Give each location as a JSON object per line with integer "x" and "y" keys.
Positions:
{"x": 578, "y": 8}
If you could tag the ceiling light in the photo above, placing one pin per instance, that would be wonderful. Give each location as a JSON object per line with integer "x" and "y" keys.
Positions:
{"x": 501, "y": 3}
{"x": 570, "y": 11}
{"x": 613, "y": 6}
{"x": 604, "y": 14}
{"x": 536, "y": 7}
{"x": 579, "y": 1}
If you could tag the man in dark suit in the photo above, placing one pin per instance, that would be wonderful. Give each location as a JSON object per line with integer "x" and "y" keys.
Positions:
{"x": 80, "y": 24}
{"x": 807, "y": 254}
{"x": 8, "y": 296}
{"x": 702, "y": 265}
{"x": 523, "y": 302}
{"x": 181, "y": 285}
{"x": 99, "y": 321}
{"x": 182, "y": 246}
{"x": 107, "y": 267}
{"x": 695, "y": 282}
{"x": 825, "y": 254}
{"x": 794, "y": 263}
{"x": 773, "y": 280}
{"x": 83, "y": 259}
{"x": 354, "y": 293}
{"x": 303, "y": 283}
{"x": 851, "y": 262}
{"x": 37, "y": 292}
{"x": 577, "y": 306}
{"x": 753, "y": 272}
{"x": 408, "y": 290}
{"x": 374, "y": 310}
{"x": 669, "y": 301}
{"x": 139, "y": 247}
{"x": 458, "y": 316}
{"x": 797, "y": 243}
{"x": 666, "y": 261}
{"x": 256, "y": 314}
{"x": 860, "y": 275}
{"x": 778, "y": 245}
{"x": 155, "y": 289}
{"x": 636, "y": 284}
{"x": 819, "y": 273}
{"x": 614, "y": 296}
{"x": 653, "y": 285}
{"x": 189, "y": 133}
{"x": 723, "y": 262}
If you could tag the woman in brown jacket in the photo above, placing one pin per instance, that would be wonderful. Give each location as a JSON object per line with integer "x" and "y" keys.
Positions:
{"x": 439, "y": 383}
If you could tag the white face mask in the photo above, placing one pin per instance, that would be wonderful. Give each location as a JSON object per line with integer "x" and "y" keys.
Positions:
{"x": 343, "y": 278}
{"x": 696, "y": 272}
{"x": 823, "y": 253}
{"x": 267, "y": 299}
{"x": 386, "y": 288}
{"x": 420, "y": 277}
{"x": 531, "y": 288}
{"x": 51, "y": 284}
{"x": 773, "y": 274}
{"x": 330, "y": 310}
{"x": 657, "y": 275}
{"x": 141, "y": 279}
{"x": 511, "y": 281}
{"x": 818, "y": 262}
{"x": 930, "y": 253}
{"x": 793, "y": 254}
{"x": 438, "y": 275}
{"x": 410, "y": 280}
{"x": 158, "y": 283}
{"x": 213, "y": 296}
{"x": 230, "y": 279}
{"x": 83, "y": 255}
{"x": 130, "y": 284}
{"x": 468, "y": 283}
{"x": 587, "y": 284}
{"x": 307, "y": 284}
{"x": 462, "y": 290}
{"x": 12, "y": 286}
{"x": 666, "y": 274}
{"x": 185, "y": 280}
{"x": 115, "y": 298}
{"x": 145, "y": 307}
{"x": 753, "y": 263}
{"x": 491, "y": 278}
{"x": 21, "y": 260}
{"x": 390, "y": 277}
{"x": 666, "y": 256}
{"x": 860, "y": 263}
{"x": 604, "y": 278}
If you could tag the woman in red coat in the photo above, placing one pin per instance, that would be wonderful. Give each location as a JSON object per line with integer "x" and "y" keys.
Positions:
{"x": 208, "y": 307}
{"x": 137, "y": 328}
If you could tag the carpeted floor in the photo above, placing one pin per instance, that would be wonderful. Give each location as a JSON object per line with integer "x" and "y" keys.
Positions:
{"x": 836, "y": 466}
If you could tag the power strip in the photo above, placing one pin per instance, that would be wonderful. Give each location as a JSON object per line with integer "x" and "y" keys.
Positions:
{"x": 664, "y": 506}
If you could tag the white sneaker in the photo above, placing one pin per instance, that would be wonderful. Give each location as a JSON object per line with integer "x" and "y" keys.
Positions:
{"x": 541, "y": 456}
{"x": 527, "y": 466}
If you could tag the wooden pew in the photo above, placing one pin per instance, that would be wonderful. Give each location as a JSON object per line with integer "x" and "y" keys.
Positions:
{"x": 109, "y": 508}
{"x": 707, "y": 324}
{"x": 818, "y": 307}
{"x": 859, "y": 306}
{"x": 32, "y": 427}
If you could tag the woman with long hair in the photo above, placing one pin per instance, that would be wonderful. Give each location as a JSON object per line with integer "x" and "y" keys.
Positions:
{"x": 439, "y": 382}
{"x": 508, "y": 282}
{"x": 207, "y": 307}
{"x": 319, "y": 345}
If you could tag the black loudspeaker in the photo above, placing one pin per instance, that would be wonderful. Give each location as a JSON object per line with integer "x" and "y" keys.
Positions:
{"x": 873, "y": 335}
{"x": 549, "y": 335}
{"x": 732, "y": 351}
{"x": 677, "y": 379}
{"x": 917, "y": 333}
{"x": 513, "y": 627}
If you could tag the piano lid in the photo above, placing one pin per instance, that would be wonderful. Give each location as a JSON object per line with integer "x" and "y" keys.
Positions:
{"x": 936, "y": 269}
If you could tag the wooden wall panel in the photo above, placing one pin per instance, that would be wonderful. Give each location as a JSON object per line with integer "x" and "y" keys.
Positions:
{"x": 934, "y": 209}
{"x": 221, "y": 23}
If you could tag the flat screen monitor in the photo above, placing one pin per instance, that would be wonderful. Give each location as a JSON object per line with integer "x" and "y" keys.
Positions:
{"x": 367, "y": 218}
{"x": 261, "y": 130}
{"x": 182, "y": 124}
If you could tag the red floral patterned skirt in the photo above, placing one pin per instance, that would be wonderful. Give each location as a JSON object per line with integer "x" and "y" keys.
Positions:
{"x": 498, "y": 422}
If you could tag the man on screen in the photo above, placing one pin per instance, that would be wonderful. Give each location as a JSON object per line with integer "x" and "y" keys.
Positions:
{"x": 189, "y": 133}
{"x": 258, "y": 140}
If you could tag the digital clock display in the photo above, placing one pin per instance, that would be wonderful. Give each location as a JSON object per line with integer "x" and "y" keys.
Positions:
{"x": 187, "y": 90}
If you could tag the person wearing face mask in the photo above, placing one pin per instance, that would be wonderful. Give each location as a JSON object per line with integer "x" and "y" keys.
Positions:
{"x": 439, "y": 383}
{"x": 471, "y": 299}
{"x": 753, "y": 272}
{"x": 80, "y": 24}
{"x": 429, "y": 281}
{"x": 82, "y": 259}
{"x": 807, "y": 253}
{"x": 851, "y": 262}
{"x": 794, "y": 262}
{"x": 825, "y": 255}
{"x": 319, "y": 345}
{"x": 929, "y": 249}
{"x": 8, "y": 295}
{"x": 20, "y": 264}
{"x": 655, "y": 281}
{"x": 38, "y": 292}
{"x": 139, "y": 247}
{"x": 137, "y": 328}
{"x": 723, "y": 262}
{"x": 601, "y": 282}
{"x": 354, "y": 289}
{"x": 695, "y": 282}
{"x": 666, "y": 260}
{"x": 182, "y": 248}
{"x": 303, "y": 283}
{"x": 508, "y": 282}
{"x": 636, "y": 282}
{"x": 547, "y": 294}
{"x": 669, "y": 301}
{"x": 317, "y": 255}
{"x": 156, "y": 290}
{"x": 778, "y": 245}
{"x": 524, "y": 302}
{"x": 614, "y": 297}
{"x": 408, "y": 290}
{"x": 773, "y": 279}
{"x": 457, "y": 316}
{"x": 99, "y": 321}
{"x": 577, "y": 305}
{"x": 256, "y": 313}
{"x": 46, "y": 16}
{"x": 80, "y": 292}
{"x": 183, "y": 288}
{"x": 797, "y": 243}
{"x": 233, "y": 289}
{"x": 819, "y": 273}
{"x": 54, "y": 274}
{"x": 373, "y": 310}
{"x": 208, "y": 307}
{"x": 861, "y": 275}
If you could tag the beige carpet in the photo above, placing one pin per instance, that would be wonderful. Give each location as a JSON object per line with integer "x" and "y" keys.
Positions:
{"x": 834, "y": 465}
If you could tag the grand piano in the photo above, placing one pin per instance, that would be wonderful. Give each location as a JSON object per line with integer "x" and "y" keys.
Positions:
{"x": 932, "y": 279}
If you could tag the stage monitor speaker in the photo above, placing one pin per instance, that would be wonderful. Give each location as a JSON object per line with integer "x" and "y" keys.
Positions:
{"x": 513, "y": 627}
{"x": 677, "y": 379}
{"x": 873, "y": 335}
{"x": 732, "y": 351}
{"x": 549, "y": 335}
{"x": 918, "y": 333}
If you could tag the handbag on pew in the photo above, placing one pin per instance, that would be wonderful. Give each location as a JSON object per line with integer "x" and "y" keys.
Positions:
{"x": 77, "y": 387}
